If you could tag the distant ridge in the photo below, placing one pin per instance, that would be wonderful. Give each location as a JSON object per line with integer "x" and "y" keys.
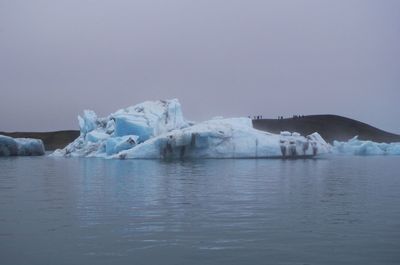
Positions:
{"x": 331, "y": 127}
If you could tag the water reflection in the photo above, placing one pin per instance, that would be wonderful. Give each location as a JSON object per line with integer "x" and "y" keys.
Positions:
{"x": 160, "y": 201}
{"x": 230, "y": 211}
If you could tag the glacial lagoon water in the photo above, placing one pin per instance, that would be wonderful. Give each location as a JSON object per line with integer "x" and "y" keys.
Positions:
{"x": 338, "y": 210}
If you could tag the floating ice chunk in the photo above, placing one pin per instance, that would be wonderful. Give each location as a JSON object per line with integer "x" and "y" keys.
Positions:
{"x": 363, "y": 148}
{"x": 30, "y": 147}
{"x": 8, "y": 146}
{"x": 20, "y": 146}
{"x": 157, "y": 129}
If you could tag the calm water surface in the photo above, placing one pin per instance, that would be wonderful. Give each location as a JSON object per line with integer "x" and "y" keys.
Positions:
{"x": 341, "y": 210}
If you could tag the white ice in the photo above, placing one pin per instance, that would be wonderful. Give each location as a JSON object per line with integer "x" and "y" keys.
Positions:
{"x": 363, "y": 148}
{"x": 157, "y": 129}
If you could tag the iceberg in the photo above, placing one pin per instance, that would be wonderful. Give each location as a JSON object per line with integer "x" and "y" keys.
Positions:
{"x": 20, "y": 146}
{"x": 226, "y": 138}
{"x": 364, "y": 148}
{"x": 158, "y": 130}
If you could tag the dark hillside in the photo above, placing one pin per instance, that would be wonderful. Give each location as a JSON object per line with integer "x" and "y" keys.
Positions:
{"x": 331, "y": 127}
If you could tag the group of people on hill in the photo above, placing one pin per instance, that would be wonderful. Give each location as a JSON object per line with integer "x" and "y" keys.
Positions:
{"x": 259, "y": 117}
{"x": 298, "y": 116}
{"x": 294, "y": 117}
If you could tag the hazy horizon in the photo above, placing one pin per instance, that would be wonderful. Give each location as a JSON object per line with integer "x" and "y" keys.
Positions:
{"x": 229, "y": 58}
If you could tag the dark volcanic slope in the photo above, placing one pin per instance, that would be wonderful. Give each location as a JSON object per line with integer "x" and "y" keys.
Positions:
{"x": 331, "y": 127}
{"x": 51, "y": 140}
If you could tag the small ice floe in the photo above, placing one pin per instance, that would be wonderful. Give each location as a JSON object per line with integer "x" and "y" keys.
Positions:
{"x": 364, "y": 148}
{"x": 20, "y": 146}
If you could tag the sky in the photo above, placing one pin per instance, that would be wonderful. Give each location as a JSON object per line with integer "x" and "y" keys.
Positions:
{"x": 218, "y": 57}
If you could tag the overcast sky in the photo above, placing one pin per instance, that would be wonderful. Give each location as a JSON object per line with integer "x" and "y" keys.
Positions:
{"x": 218, "y": 57}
